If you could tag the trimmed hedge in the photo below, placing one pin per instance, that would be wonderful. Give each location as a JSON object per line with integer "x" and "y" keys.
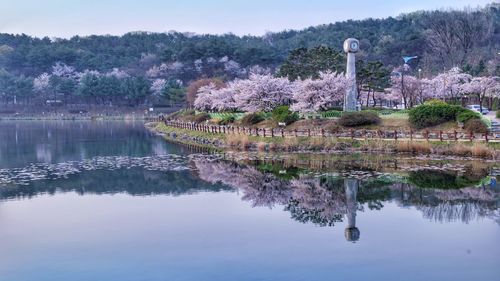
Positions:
{"x": 433, "y": 113}
{"x": 283, "y": 114}
{"x": 362, "y": 118}
{"x": 467, "y": 115}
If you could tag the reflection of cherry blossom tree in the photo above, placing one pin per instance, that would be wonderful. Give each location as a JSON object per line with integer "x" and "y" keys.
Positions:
{"x": 326, "y": 200}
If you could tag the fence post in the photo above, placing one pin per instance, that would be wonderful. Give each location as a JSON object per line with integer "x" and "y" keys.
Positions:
{"x": 282, "y": 133}
{"x": 395, "y": 135}
{"x": 308, "y": 132}
{"x": 352, "y": 134}
{"x": 272, "y": 132}
{"x": 455, "y": 134}
{"x": 486, "y": 136}
{"x": 441, "y": 135}
{"x": 295, "y": 132}
{"x": 411, "y": 135}
{"x": 264, "y": 132}
{"x": 427, "y": 135}
{"x": 471, "y": 135}
{"x": 322, "y": 132}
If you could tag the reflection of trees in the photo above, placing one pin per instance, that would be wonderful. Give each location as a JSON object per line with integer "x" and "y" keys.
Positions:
{"x": 134, "y": 181}
{"x": 325, "y": 200}
{"x": 444, "y": 205}
{"x": 441, "y": 179}
{"x": 258, "y": 188}
{"x": 60, "y": 141}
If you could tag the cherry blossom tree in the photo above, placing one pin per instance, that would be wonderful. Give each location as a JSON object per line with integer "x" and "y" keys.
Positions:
{"x": 261, "y": 93}
{"x": 120, "y": 74}
{"x": 157, "y": 86}
{"x": 42, "y": 82}
{"x": 319, "y": 94}
{"x": 62, "y": 70}
{"x": 223, "y": 99}
{"x": 482, "y": 87}
{"x": 447, "y": 85}
{"x": 407, "y": 90}
{"x": 204, "y": 98}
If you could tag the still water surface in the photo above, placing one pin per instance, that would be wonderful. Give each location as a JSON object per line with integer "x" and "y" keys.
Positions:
{"x": 110, "y": 201}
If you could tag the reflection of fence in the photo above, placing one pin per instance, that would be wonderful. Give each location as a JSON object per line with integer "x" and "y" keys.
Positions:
{"x": 341, "y": 133}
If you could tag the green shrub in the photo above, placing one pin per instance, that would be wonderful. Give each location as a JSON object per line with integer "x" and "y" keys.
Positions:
{"x": 251, "y": 119}
{"x": 283, "y": 114}
{"x": 476, "y": 126}
{"x": 221, "y": 115}
{"x": 330, "y": 113}
{"x": 433, "y": 113}
{"x": 227, "y": 119}
{"x": 467, "y": 115}
{"x": 200, "y": 117}
{"x": 353, "y": 119}
{"x": 435, "y": 102}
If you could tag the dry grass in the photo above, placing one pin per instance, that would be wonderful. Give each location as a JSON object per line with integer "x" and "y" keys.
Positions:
{"x": 290, "y": 144}
{"x": 261, "y": 146}
{"x": 460, "y": 150}
{"x": 395, "y": 123}
{"x": 481, "y": 150}
{"x": 414, "y": 147}
{"x": 241, "y": 142}
{"x": 309, "y": 123}
{"x": 377, "y": 145}
{"x": 447, "y": 127}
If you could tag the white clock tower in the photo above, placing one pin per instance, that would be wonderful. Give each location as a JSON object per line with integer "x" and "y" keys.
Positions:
{"x": 351, "y": 47}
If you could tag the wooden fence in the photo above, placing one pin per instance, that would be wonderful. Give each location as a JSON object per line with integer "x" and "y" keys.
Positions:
{"x": 345, "y": 133}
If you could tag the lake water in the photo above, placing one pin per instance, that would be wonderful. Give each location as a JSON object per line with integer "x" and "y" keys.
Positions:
{"x": 110, "y": 201}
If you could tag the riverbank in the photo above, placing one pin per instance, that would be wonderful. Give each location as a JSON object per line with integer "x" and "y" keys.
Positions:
{"x": 70, "y": 117}
{"x": 332, "y": 145}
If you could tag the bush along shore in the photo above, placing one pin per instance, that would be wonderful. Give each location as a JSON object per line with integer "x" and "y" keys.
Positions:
{"x": 230, "y": 140}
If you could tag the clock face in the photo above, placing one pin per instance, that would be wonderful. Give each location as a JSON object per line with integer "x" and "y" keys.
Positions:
{"x": 354, "y": 45}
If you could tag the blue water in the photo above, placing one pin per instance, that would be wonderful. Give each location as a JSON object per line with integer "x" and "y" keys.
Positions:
{"x": 168, "y": 213}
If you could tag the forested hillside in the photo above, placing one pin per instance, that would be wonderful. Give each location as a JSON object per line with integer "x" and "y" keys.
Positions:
{"x": 441, "y": 39}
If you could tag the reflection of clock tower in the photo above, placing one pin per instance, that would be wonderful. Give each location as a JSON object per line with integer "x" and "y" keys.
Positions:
{"x": 351, "y": 190}
{"x": 351, "y": 47}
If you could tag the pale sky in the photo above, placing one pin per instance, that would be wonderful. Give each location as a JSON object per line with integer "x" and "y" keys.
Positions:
{"x": 65, "y": 18}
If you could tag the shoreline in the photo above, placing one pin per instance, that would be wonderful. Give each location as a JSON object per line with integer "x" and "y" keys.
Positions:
{"x": 329, "y": 145}
{"x": 76, "y": 118}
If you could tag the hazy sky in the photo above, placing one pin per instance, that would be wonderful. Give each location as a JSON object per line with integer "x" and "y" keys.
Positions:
{"x": 64, "y": 18}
